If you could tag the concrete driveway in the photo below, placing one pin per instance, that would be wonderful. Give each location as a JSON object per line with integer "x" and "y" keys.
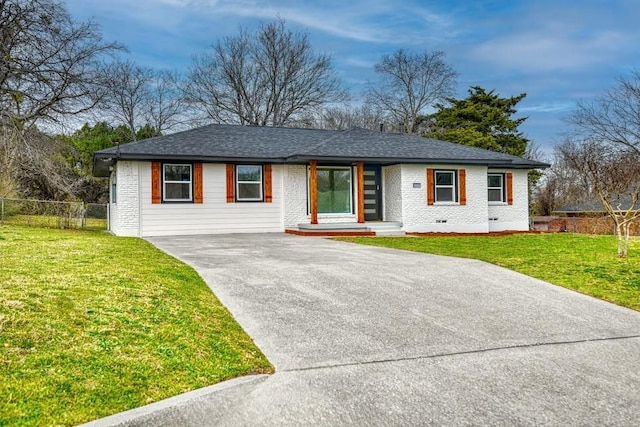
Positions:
{"x": 372, "y": 336}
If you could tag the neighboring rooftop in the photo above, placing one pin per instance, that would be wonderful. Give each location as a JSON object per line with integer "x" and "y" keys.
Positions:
{"x": 236, "y": 143}
{"x": 595, "y": 206}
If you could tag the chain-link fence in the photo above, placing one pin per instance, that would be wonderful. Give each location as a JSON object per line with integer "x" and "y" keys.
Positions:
{"x": 45, "y": 213}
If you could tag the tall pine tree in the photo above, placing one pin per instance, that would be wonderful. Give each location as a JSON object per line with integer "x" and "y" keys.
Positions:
{"x": 481, "y": 120}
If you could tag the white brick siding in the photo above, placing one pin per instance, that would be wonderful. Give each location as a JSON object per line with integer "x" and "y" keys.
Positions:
{"x": 511, "y": 217}
{"x": 125, "y": 213}
{"x": 417, "y": 216}
{"x": 295, "y": 195}
{"x": 392, "y": 193}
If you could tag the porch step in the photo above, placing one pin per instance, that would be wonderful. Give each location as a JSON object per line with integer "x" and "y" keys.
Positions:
{"x": 330, "y": 233}
{"x": 336, "y": 226}
{"x": 386, "y": 228}
{"x": 350, "y": 228}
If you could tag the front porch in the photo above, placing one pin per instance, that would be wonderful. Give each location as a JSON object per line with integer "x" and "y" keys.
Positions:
{"x": 370, "y": 228}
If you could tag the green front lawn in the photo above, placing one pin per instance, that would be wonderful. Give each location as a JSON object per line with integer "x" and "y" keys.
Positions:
{"x": 584, "y": 263}
{"x": 92, "y": 324}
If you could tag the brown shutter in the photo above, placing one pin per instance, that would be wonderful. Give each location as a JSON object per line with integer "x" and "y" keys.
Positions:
{"x": 360, "y": 170}
{"x": 462, "y": 177}
{"x": 155, "y": 182}
{"x": 268, "y": 195}
{"x": 430, "y": 187}
{"x": 231, "y": 184}
{"x": 313, "y": 190}
{"x": 197, "y": 182}
{"x": 509, "y": 188}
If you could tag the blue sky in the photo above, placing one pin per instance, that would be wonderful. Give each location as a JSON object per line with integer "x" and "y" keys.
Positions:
{"x": 557, "y": 51}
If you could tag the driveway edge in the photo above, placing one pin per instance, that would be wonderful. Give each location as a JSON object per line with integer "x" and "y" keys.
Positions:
{"x": 204, "y": 405}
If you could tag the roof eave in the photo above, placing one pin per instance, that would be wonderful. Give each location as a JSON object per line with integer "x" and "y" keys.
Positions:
{"x": 520, "y": 165}
{"x": 103, "y": 159}
{"x": 189, "y": 158}
{"x": 102, "y": 165}
{"x": 396, "y": 160}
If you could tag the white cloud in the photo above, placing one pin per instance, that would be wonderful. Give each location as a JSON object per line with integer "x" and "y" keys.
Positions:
{"x": 354, "y": 61}
{"x": 553, "y": 107}
{"x": 547, "y": 51}
{"x": 358, "y": 20}
{"x": 370, "y": 21}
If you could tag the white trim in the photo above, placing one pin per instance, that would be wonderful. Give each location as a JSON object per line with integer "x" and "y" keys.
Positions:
{"x": 501, "y": 188}
{"x": 165, "y": 182}
{"x": 453, "y": 187}
{"x": 260, "y": 184}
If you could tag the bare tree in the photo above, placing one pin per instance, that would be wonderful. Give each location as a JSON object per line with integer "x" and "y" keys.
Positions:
{"x": 136, "y": 97}
{"x": 264, "y": 78}
{"x": 613, "y": 173}
{"x": 614, "y": 117}
{"x": 346, "y": 117}
{"x": 49, "y": 69}
{"x": 127, "y": 93}
{"x": 559, "y": 186}
{"x": 49, "y": 61}
{"x": 533, "y": 151}
{"x": 10, "y": 144}
{"x": 166, "y": 109}
{"x": 39, "y": 167}
{"x": 608, "y": 151}
{"x": 410, "y": 83}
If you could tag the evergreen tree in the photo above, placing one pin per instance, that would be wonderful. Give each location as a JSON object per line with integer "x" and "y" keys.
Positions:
{"x": 481, "y": 120}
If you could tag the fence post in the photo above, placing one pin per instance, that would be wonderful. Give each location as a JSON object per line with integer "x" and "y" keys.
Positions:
{"x": 2, "y": 209}
{"x": 84, "y": 216}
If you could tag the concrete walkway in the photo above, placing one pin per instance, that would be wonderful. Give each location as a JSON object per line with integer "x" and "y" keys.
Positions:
{"x": 372, "y": 336}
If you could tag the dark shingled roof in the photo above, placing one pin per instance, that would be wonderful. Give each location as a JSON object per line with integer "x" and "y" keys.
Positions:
{"x": 596, "y": 206}
{"x": 234, "y": 143}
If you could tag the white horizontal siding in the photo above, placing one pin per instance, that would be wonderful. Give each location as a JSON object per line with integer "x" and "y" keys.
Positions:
{"x": 214, "y": 215}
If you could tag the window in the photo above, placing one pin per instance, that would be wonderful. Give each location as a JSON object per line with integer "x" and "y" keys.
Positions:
{"x": 495, "y": 184}
{"x": 114, "y": 192}
{"x": 445, "y": 186}
{"x": 177, "y": 182}
{"x": 334, "y": 190}
{"x": 249, "y": 183}
{"x": 113, "y": 189}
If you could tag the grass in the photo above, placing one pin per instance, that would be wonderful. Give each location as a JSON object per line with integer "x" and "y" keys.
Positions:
{"x": 584, "y": 263}
{"x": 52, "y": 221}
{"x": 92, "y": 324}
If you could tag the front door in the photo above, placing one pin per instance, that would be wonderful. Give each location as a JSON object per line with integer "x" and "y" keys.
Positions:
{"x": 372, "y": 193}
